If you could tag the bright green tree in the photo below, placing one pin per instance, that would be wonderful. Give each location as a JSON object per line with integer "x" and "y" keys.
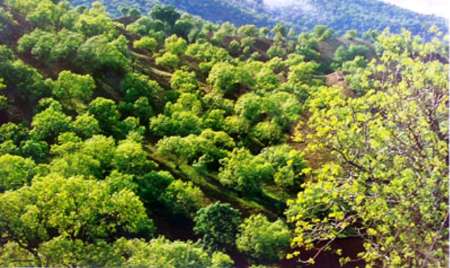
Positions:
{"x": 48, "y": 124}
{"x": 175, "y": 45}
{"x": 148, "y": 43}
{"x": 184, "y": 81}
{"x": 74, "y": 210}
{"x": 288, "y": 164}
{"x": 73, "y": 90}
{"x": 85, "y": 125}
{"x": 383, "y": 160}
{"x": 183, "y": 198}
{"x": 163, "y": 253}
{"x": 244, "y": 172}
{"x": 262, "y": 239}
{"x": 227, "y": 78}
{"x": 131, "y": 158}
{"x": 15, "y": 171}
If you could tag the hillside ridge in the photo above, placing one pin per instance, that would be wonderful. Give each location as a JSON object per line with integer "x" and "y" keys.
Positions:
{"x": 340, "y": 15}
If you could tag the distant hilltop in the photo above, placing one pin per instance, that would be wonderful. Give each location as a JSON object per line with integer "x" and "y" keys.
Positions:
{"x": 303, "y": 15}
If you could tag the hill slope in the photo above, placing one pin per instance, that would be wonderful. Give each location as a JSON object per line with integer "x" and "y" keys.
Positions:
{"x": 303, "y": 15}
{"x": 123, "y": 140}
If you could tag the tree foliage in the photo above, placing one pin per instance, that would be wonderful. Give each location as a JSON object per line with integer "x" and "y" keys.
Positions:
{"x": 217, "y": 224}
{"x": 244, "y": 172}
{"x": 55, "y": 210}
{"x": 110, "y": 123}
{"x": 163, "y": 253}
{"x": 262, "y": 239}
{"x": 15, "y": 172}
{"x": 73, "y": 90}
{"x": 388, "y": 147}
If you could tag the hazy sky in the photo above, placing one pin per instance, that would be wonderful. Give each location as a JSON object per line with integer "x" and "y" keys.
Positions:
{"x": 437, "y": 7}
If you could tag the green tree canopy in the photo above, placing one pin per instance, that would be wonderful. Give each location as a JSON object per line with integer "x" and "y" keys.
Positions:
{"x": 217, "y": 224}
{"x": 183, "y": 198}
{"x": 166, "y": 254}
{"x": 15, "y": 172}
{"x": 244, "y": 172}
{"x": 262, "y": 239}
{"x": 227, "y": 78}
{"x": 48, "y": 124}
{"x": 148, "y": 43}
{"x": 388, "y": 151}
{"x": 73, "y": 209}
{"x": 73, "y": 90}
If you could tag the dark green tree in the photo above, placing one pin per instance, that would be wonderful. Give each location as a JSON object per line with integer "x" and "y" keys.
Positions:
{"x": 218, "y": 224}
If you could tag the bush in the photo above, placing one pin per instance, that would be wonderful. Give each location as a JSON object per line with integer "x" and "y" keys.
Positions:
{"x": 262, "y": 239}
{"x": 163, "y": 253}
{"x": 148, "y": 43}
{"x": 183, "y": 198}
{"x": 217, "y": 224}
{"x": 168, "y": 60}
{"x": 244, "y": 172}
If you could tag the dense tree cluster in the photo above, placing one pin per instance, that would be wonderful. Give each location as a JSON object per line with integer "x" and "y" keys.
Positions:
{"x": 124, "y": 140}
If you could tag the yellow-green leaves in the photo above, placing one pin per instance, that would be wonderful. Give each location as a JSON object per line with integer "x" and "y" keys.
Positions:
{"x": 263, "y": 239}
{"x": 383, "y": 174}
{"x": 84, "y": 210}
{"x": 73, "y": 90}
{"x": 15, "y": 172}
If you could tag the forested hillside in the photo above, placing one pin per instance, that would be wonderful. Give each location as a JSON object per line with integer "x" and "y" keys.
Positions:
{"x": 302, "y": 15}
{"x": 165, "y": 140}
